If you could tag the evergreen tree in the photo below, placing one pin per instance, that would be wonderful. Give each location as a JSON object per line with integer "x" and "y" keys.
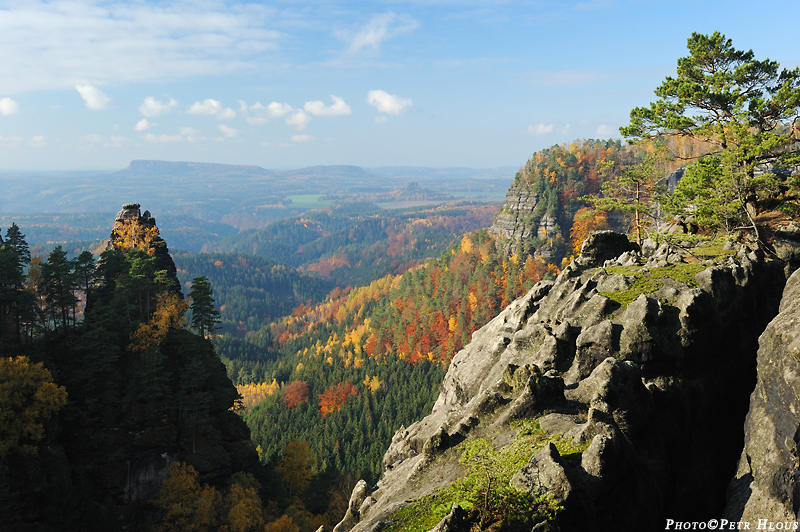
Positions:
{"x": 743, "y": 110}
{"x": 205, "y": 317}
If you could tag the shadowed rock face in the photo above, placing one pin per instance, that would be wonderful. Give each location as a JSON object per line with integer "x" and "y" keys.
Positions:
{"x": 658, "y": 389}
{"x": 766, "y": 482}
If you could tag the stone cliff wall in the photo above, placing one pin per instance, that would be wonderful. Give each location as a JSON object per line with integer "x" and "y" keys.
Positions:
{"x": 766, "y": 482}
{"x": 657, "y": 388}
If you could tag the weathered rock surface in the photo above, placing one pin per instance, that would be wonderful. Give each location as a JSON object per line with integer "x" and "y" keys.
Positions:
{"x": 654, "y": 389}
{"x": 766, "y": 484}
{"x": 521, "y": 219}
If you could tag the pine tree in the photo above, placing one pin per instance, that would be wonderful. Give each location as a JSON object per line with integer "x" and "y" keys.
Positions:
{"x": 205, "y": 317}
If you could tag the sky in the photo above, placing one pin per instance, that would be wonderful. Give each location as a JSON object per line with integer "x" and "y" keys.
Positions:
{"x": 92, "y": 85}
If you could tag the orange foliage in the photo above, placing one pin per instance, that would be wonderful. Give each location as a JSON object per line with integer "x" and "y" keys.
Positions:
{"x": 584, "y": 222}
{"x": 335, "y": 396}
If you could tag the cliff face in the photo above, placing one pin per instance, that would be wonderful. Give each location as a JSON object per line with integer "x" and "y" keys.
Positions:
{"x": 645, "y": 368}
{"x": 766, "y": 482}
{"x": 520, "y": 221}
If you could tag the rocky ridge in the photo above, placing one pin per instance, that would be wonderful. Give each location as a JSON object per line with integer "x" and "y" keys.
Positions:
{"x": 645, "y": 363}
{"x": 518, "y": 223}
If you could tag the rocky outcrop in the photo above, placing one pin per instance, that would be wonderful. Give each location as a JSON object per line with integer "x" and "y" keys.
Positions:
{"x": 766, "y": 484}
{"x": 521, "y": 220}
{"x": 646, "y": 365}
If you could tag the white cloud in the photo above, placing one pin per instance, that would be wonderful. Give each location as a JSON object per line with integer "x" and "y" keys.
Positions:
{"x": 229, "y": 132}
{"x": 152, "y": 107}
{"x": 382, "y": 119}
{"x": 95, "y": 99}
{"x": 115, "y": 141}
{"x": 207, "y": 107}
{"x": 162, "y": 138}
{"x": 278, "y": 110}
{"x": 540, "y": 129}
{"x": 255, "y": 115}
{"x": 8, "y": 107}
{"x": 192, "y": 135}
{"x": 565, "y": 130}
{"x": 338, "y": 108}
{"x": 302, "y": 138}
{"x": 299, "y": 119}
{"x": 94, "y": 138}
{"x": 10, "y": 142}
{"x": 52, "y": 45}
{"x": 604, "y": 130}
{"x": 211, "y": 107}
{"x": 37, "y": 141}
{"x": 143, "y": 124}
{"x": 379, "y": 29}
{"x": 226, "y": 114}
{"x": 388, "y": 103}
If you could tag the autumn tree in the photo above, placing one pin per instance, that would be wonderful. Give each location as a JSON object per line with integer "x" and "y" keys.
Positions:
{"x": 332, "y": 399}
{"x": 186, "y": 505}
{"x": 634, "y": 191}
{"x": 205, "y": 317}
{"x": 296, "y": 467}
{"x": 28, "y": 399}
{"x": 745, "y": 110}
{"x": 295, "y": 393}
{"x": 242, "y": 511}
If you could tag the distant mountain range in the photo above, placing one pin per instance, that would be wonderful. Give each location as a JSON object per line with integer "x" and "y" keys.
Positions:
{"x": 241, "y": 196}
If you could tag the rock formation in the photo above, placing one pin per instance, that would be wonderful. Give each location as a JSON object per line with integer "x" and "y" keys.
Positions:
{"x": 766, "y": 482}
{"x": 519, "y": 221}
{"x": 646, "y": 363}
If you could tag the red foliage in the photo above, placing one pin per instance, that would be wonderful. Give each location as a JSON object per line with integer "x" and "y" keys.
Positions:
{"x": 295, "y": 393}
{"x": 335, "y": 396}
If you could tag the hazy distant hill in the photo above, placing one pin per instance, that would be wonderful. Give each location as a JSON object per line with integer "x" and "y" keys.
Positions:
{"x": 241, "y": 196}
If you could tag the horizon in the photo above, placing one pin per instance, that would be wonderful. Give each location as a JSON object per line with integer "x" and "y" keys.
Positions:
{"x": 91, "y": 86}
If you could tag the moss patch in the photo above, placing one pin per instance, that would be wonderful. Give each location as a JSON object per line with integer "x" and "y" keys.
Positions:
{"x": 502, "y": 508}
{"x": 683, "y": 273}
{"x": 643, "y": 284}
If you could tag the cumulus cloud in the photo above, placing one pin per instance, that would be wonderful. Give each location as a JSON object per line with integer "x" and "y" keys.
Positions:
{"x": 8, "y": 107}
{"x": 318, "y": 108}
{"x": 302, "y": 138}
{"x": 541, "y": 129}
{"x": 228, "y": 132}
{"x": 388, "y": 103}
{"x": 379, "y": 29}
{"x": 95, "y": 99}
{"x": 211, "y": 107}
{"x": 143, "y": 124}
{"x": 192, "y": 135}
{"x": 278, "y": 110}
{"x": 162, "y": 138}
{"x": 152, "y": 107}
{"x": 604, "y": 130}
{"x": 566, "y": 129}
{"x": 298, "y": 119}
{"x": 37, "y": 141}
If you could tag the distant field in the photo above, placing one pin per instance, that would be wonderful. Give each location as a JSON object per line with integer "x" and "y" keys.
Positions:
{"x": 308, "y": 201}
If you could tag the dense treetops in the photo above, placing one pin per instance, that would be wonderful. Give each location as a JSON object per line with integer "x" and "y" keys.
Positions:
{"x": 744, "y": 112}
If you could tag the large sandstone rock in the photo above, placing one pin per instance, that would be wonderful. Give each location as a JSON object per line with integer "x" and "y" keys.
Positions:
{"x": 654, "y": 390}
{"x": 766, "y": 485}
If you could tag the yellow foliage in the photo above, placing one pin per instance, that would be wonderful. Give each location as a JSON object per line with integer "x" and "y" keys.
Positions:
{"x": 129, "y": 234}
{"x": 284, "y": 524}
{"x": 466, "y": 244}
{"x": 28, "y": 397}
{"x": 168, "y": 316}
{"x": 254, "y": 393}
{"x": 187, "y": 506}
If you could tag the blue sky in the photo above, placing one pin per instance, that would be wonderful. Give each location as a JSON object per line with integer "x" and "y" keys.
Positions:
{"x": 93, "y": 85}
